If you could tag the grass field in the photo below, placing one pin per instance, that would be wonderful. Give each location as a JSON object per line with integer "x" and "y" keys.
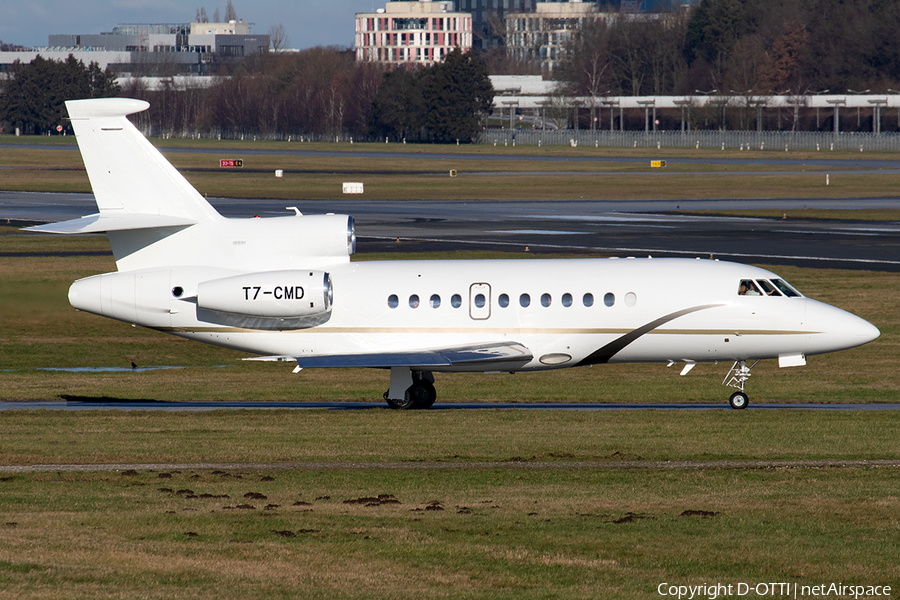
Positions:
{"x": 494, "y": 177}
{"x": 430, "y": 504}
{"x": 514, "y": 512}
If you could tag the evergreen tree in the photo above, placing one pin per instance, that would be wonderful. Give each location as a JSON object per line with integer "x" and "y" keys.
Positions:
{"x": 457, "y": 93}
{"x": 398, "y": 111}
{"x": 35, "y": 93}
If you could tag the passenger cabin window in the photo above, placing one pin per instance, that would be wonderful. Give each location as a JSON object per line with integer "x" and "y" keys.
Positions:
{"x": 609, "y": 299}
{"x": 567, "y": 299}
{"x": 588, "y": 300}
{"x": 545, "y": 300}
{"x": 503, "y": 300}
{"x": 479, "y": 300}
{"x": 434, "y": 301}
{"x": 524, "y": 300}
{"x": 414, "y": 301}
{"x": 393, "y": 301}
{"x": 456, "y": 301}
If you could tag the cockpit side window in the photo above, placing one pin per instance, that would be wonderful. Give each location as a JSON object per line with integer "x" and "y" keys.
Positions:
{"x": 767, "y": 288}
{"x": 748, "y": 288}
{"x": 786, "y": 289}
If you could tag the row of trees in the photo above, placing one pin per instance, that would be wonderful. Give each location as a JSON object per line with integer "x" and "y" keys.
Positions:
{"x": 33, "y": 94}
{"x": 740, "y": 46}
{"x": 320, "y": 92}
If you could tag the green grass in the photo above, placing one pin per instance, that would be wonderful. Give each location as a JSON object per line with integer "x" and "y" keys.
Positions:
{"x": 383, "y": 436}
{"x": 519, "y": 530}
{"x": 494, "y": 177}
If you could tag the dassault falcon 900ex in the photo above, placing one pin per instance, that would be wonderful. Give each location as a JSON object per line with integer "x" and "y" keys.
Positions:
{"x": 285, "y": 288}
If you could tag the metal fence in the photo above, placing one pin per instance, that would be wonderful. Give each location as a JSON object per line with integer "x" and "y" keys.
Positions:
{"x": 735, "y": 140}
{"x": 783, "y": 141}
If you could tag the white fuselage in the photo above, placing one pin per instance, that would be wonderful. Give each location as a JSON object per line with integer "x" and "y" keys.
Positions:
{"x": 578, "y": 311}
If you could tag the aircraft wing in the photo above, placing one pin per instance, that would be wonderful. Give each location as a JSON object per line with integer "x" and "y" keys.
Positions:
{"x": 485, "y": 354}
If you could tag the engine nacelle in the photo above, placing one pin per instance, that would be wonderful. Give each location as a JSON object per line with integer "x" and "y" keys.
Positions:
{"x": 277, "y": 294}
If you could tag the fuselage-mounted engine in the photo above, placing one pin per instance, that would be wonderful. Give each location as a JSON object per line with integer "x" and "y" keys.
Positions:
{"x": 269, "y": 299}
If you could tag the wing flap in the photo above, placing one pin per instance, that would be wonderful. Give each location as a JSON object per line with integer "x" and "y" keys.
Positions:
{"x": 486, "y": 354}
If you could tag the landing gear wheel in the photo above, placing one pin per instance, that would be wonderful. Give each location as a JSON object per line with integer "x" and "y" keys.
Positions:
{"x": 420, "y": 395}
{"x": 408, "y": 401}
{"x": 430, "y": 398}
{"x": 739, "y": 401}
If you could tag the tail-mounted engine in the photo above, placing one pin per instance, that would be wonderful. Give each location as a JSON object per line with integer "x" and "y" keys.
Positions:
{"x": 271, "y": 299}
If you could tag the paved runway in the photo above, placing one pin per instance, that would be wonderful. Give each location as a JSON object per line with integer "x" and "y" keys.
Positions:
{"x": 414, "y": 465}
{"x": 201, "y": 406}
{"x": 589, "y": 228}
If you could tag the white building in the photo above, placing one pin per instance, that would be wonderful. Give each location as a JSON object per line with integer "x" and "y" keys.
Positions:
{"x": 543, "y": 34}
{"x": 418, "y": 32}
{"x": 142, "y": 47}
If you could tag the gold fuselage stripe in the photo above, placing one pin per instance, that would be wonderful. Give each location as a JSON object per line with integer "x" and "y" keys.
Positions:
{"x": 487, "y": 330}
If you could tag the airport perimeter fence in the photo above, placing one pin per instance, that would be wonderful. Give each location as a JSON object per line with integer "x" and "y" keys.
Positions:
{"x": 783, "y": 141}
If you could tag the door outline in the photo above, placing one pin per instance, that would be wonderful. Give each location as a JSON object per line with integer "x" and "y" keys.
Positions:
{"x": 484, "y": 312}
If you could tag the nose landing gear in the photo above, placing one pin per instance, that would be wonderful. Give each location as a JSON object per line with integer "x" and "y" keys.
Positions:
{"x": 736, "y": 378}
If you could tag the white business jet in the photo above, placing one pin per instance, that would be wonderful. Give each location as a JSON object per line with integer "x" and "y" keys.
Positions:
{"x": 285, "y": 288}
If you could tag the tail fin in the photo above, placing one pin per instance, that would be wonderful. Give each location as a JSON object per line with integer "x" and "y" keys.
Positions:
{"x": 155, "y": 219}
{"x": 134, "y": 185}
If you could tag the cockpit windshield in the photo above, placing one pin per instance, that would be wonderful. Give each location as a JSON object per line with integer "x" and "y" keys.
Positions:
{"x": 764, "y": 287}
{"x": 787, "y": 290}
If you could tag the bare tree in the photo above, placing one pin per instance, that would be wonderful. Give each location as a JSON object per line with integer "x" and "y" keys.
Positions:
{"x": 230, "y": 13}
{"x": 279, "y": 37}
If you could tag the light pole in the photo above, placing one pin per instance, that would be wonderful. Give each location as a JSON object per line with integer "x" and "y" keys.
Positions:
{"x": 684, "y": 105}
{"x": 858, "y": 122}
{"x": 823, "y": 92}
{"x": 748, "y": 101}
{"x": 777, "y": 93}
{"x": 707, "y": 94}
{"x": 837, "y": 103}
{"x": 898, "y": 106}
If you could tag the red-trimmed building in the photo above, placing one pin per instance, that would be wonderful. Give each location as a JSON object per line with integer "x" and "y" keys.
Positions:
{"x": 421, "y": 32}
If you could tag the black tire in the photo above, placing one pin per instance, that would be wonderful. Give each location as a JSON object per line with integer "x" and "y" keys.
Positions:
{"x": 428, "y": 402}
{"x": 739, "y": 401}
{"x": 418, "y": 393}
{"x": 405, "y": 403}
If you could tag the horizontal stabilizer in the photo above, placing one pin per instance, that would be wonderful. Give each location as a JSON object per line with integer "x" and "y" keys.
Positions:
{"x": 100, "y": 223}
{"x": 445, "y": 357}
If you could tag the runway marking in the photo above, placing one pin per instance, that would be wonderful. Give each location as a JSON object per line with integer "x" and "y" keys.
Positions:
{"x": 650, "y": 465}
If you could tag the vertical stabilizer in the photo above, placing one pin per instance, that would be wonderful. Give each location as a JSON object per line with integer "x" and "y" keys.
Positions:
{"x": 128, "y": 175}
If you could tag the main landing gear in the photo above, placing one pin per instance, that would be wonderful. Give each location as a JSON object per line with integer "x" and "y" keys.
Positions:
{"x": 739, "y": 374}
{"x": 410, "y": 389}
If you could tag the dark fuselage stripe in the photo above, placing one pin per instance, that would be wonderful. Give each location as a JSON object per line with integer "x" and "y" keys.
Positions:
{"x": 604, "y": 354}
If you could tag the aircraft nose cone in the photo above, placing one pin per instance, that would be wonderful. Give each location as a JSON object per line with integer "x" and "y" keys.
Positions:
{"x": 866, "y": 331}
{"x": 837, "y": 329}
